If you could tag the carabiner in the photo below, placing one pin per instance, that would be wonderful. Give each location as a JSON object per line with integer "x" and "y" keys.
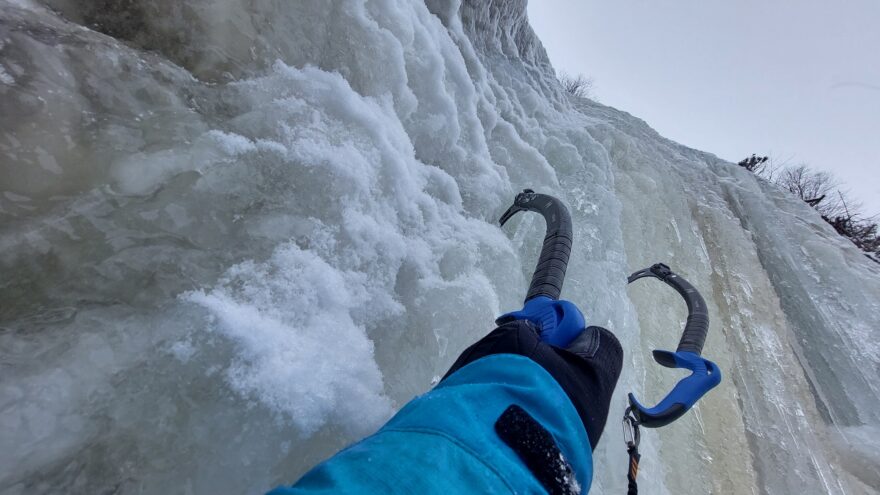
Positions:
{"x": 631, "y": 434}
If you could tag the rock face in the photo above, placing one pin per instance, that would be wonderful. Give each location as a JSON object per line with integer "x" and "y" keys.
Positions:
{"x": 237, "y": 235}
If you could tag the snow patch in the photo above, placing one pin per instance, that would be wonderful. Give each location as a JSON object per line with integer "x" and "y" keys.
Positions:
{"x": 287, "y": 315}
{"x": 6, "y": 77}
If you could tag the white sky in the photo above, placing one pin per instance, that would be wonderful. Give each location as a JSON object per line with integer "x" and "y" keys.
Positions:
{"x": 798, "y": 80}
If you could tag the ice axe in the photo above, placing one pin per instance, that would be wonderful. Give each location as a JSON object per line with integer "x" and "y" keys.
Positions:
{"x": 560, "y": 320}
{"x": 704, "y": 376}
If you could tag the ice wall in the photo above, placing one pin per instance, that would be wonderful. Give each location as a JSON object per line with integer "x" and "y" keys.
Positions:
{"x": 237, "y": 235}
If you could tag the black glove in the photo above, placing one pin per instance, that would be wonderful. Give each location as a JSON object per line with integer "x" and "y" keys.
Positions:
{"x": 587, "y": 370}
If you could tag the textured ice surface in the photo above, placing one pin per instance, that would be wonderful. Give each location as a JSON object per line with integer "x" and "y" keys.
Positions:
{"x": 238, "y": 235}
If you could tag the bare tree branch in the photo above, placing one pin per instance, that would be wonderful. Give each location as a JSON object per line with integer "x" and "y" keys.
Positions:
{"x": 817, "y": 190}
{"x": 580, "y": 85}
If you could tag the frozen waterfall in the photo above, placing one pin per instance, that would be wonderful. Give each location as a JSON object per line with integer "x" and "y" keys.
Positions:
{"x": 236, "y": 235}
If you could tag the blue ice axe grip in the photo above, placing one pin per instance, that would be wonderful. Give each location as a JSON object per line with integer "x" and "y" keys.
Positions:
{"x": 560, "y": 321}
{"x": 705, "y": 374}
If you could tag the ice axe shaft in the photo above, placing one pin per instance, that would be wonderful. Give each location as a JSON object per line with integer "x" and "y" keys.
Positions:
{"x": 697, "y": 325}
{"x": 550, "y": 270}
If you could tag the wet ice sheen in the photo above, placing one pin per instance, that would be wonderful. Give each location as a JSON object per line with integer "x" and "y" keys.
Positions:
{"x": 235, "y": 238}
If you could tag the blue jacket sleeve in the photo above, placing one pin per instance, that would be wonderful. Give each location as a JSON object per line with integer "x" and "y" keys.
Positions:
{"x": 502, "y": 421}
{"x": 445, "y": 441}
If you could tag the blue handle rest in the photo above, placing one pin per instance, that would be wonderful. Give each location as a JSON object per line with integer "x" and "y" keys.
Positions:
{"x": 559, "y": 321}
{"x": 704, "y": 377}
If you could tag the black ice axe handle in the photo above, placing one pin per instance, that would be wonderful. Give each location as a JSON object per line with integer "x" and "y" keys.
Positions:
{"x": 697, "y": 325}
{"x": 550, "y": 271}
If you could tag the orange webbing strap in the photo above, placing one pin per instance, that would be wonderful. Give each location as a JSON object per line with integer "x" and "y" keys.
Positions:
{"x": 632, "y": 437}
{"x": 633, "y": 470}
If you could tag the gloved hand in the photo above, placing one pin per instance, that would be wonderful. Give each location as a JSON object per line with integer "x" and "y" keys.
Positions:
{"x": 587, "y": 367}
{"x": 561, "y": 324}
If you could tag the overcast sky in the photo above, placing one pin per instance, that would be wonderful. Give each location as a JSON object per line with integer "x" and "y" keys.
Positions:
{"x": 796, "y": 80}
